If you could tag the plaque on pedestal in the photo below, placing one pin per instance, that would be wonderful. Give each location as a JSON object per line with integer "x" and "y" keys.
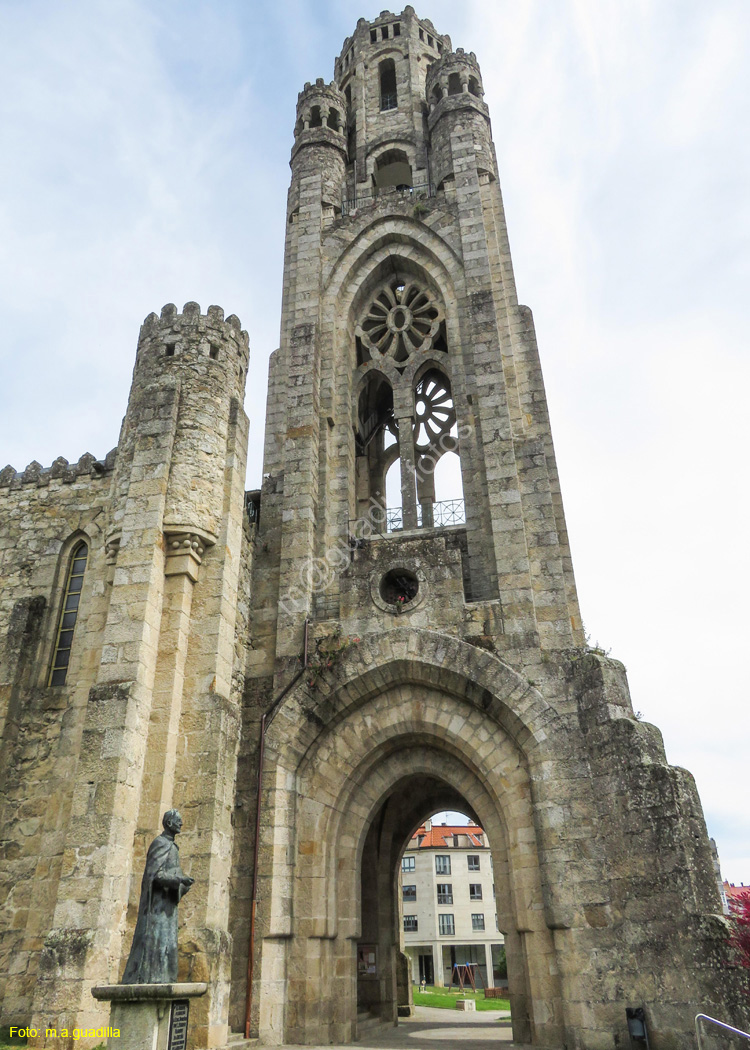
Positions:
{"x": 149, "y": 1015}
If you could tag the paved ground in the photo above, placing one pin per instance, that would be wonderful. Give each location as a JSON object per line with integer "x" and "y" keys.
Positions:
{"x": 444, "y": 1029}
{"x": 433, "y": 1029}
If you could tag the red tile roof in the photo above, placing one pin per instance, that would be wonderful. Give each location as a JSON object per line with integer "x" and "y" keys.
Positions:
{"x": 735, "y": 892}
{"x": 439, "y": 833}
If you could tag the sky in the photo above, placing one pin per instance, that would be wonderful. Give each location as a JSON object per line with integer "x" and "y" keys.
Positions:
{"x": 145, "y": 151}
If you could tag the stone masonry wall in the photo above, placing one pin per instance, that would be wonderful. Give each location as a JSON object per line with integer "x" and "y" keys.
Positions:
{"x": 43, "y": 513}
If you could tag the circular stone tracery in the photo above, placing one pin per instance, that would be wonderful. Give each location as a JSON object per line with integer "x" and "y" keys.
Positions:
{"x": 434, "y": 411}
{"x": 402, "y": 318}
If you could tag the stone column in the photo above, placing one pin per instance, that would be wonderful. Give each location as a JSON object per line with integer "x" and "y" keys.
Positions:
{"x": 488, "y": 961}
{"x": 408, "y": 473}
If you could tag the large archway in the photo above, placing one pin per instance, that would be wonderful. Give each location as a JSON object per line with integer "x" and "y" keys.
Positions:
{"x": 350, "y": 776}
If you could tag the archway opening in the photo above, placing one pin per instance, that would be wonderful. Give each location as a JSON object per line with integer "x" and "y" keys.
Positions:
{"x": 392, "y": 169}
{"x": 450, "y": 926}
{"x": 429, "y": 918}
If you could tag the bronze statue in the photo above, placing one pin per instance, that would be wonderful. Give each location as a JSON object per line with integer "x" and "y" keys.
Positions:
{"x": 153, "y": 955}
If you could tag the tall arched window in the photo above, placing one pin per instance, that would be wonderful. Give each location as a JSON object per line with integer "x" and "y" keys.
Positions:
{"x": 68, "y": 615}
{"x": 388, "y": 95}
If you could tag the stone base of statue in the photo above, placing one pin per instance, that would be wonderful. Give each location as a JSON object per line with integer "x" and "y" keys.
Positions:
{"x": 146, "y": 1016}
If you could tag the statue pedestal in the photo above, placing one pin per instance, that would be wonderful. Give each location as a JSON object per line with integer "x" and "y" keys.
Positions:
{"x": 148, "y": 1016}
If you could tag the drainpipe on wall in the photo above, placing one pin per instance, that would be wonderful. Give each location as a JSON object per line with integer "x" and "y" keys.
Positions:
{"x": 265, "y": 722}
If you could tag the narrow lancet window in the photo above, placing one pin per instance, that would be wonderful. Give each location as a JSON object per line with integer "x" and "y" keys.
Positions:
{"x": 68, "y": 615}
{"x": 388, "y": 96}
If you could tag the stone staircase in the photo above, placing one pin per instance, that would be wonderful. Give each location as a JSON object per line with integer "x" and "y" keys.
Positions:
{"x": 367, "y": 1022}
{"x": 237, "y": 1041}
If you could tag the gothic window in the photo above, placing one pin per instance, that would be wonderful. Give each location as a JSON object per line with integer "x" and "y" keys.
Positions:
{"x": 402, "y": 318}
{"x": 68, "y": 615}
{"x": 474, "y": 87}
{"x": 316, "y": 120}
{"x": 388, "y": 91}
{"x": 396, "y": 474}
{"x": 454, "y": 84}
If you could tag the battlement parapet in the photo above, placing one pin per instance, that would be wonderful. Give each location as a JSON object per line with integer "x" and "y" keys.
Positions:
{"x": 172, "y": 342}
{"x": 320, "y": 107}
{"x": 192, "y": 322}
{"x": 61, "y": 471}
{"x": 389, "y": 30}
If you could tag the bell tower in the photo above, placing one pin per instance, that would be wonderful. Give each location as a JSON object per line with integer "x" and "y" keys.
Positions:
{"x": 403, "y": 343}
{"x": 415, "y": 641}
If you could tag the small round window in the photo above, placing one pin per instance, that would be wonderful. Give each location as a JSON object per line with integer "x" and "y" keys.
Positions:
{"x": 399, "y": 587}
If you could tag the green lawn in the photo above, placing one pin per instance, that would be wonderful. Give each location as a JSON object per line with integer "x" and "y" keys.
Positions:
{"x": 5, "y": 1040}
{"x": 445, "y": 999}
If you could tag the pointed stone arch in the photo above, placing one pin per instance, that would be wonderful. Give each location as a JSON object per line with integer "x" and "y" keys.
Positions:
{"x": 407, "y": 711}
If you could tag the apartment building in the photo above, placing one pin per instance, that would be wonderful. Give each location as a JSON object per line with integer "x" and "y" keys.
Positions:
{"x": 447, "y": 898}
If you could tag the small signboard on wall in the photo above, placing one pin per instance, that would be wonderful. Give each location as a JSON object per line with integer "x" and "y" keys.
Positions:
{"x": 367, "y": 960}
{"x": 178, "y": 1025}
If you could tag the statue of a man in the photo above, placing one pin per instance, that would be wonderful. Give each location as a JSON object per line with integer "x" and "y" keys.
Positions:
{"x": 153, "y": 955}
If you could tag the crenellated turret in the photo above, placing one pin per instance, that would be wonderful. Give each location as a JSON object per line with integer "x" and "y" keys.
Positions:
{"x": 204, "y": 359}
{"x": 454, "y": 93}
{"x": 319, "y": 143}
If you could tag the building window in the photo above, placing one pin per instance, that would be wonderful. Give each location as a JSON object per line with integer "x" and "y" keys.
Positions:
{"x": 410, "y": 893}
{"x": 388, "y": 94}
{"x": 407, "y": 864}
{"x": 473, "y": 861}
{"x": 68, "y": 615}
{"x": 477, "y": 922}
{"x": 411, "y": 924}
{"x": 497, "y": 924}
{"x": 475, "y": 891}
{"x": 445, "y": 893}
{"x": 446, "y": 926}
{"x": 442, "y": 865}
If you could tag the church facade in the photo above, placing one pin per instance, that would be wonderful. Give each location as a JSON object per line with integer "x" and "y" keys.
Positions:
{"x": 307, "y": 673}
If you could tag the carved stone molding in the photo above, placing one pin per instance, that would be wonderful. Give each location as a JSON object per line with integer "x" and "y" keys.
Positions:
{"x": 185, "y": 549}
{"x": 111, "y": 547}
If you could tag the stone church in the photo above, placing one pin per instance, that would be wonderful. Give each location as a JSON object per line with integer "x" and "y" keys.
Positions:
{"x": 308, "y": 673}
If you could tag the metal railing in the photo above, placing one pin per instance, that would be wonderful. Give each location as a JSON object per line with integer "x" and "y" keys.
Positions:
{"x": 386, "y": 520}
{"x": 361, "y": 200}
{"x": 445, "y": 513}
{"x": 719, "y": 1024}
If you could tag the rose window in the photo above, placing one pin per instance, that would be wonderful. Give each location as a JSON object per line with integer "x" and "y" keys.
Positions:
{"x": 400, "y": 319}
{"x": 435, "y": 415}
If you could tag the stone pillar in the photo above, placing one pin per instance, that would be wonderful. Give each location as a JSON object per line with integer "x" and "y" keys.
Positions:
{"x": 408, "y": 474}
{"x": 488, "y": 961}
